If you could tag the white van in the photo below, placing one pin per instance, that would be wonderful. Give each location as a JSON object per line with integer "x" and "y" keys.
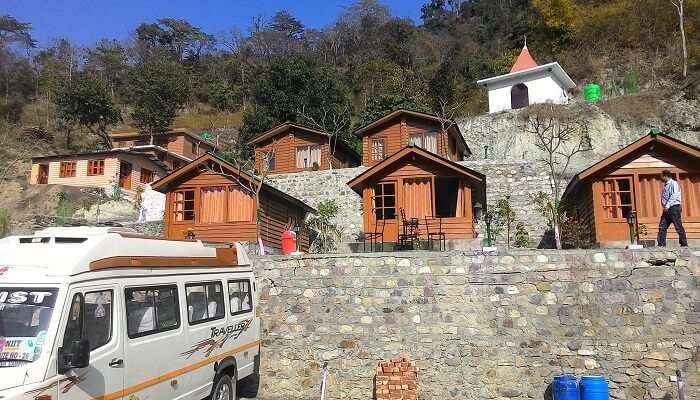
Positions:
{"x": 98, "y": 313}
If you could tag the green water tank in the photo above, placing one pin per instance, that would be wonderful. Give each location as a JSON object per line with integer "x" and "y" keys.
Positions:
{"x": 592, "y": 92}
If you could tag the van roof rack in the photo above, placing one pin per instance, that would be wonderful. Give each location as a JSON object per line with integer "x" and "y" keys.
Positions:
{"x": 75, "y": 250}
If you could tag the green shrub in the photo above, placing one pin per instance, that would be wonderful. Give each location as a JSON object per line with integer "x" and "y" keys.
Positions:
{"x": 328, "y": 234}
{"x": 522, "y": 238}
{"x": 504, "y": 217}
{"x": 64, "y": 209}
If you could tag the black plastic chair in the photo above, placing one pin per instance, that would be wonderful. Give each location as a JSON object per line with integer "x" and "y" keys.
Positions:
{"x": 410, "y": 230}
{"x": 373, "y": 236}
{"x": 437, "y": 234}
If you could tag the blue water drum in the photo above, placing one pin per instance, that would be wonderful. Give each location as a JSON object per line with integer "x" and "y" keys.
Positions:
{"x": 565, "y": 387}
{"x": 594, "y": 388}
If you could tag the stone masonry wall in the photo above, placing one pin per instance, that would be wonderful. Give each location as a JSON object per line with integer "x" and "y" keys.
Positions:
{"x": 481, "y": 327}
{"x": 517, "y": 179}
{"x": 313, "y": 187}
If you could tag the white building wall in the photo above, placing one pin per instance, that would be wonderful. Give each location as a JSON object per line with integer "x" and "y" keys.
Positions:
{"x": 542, "y": 88}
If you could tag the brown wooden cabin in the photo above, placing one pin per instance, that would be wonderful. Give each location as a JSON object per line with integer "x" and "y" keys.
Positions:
{"x": 603, "y": 195}
{"x": 398, "y": 129}
{"x": 423, "y": 184}
{"x": 291, "y": 148}
{"x": 175, "y": 147}
{"x": 212, "y": 199}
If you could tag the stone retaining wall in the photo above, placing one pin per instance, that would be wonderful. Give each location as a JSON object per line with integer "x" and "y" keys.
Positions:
{"x": 516, "y": 179}
{"x": 481, "y": 327}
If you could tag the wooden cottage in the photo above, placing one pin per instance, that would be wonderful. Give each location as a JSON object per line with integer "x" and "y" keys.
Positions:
{"x": 401, "y": 128}
{"x": 291, "y": 148}
{"x": 422, "y": 184}
{"x": 603, "y": 195}
{"x": 215, "y": 201}
{"x": 175, "y": 147}
{"x": 99, "y": 169}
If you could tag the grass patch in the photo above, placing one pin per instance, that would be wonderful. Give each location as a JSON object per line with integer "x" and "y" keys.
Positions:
{"x": 635, "y": 108}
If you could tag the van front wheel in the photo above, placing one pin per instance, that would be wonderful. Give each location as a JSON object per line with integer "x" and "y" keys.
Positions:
{"x": 224, "y": 389}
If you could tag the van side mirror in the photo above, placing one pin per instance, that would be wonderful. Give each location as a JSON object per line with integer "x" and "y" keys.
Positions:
{"x": 77, "y": 356}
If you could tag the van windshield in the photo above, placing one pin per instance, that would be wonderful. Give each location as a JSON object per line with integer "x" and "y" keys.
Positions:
{"x": 25, "y": 314}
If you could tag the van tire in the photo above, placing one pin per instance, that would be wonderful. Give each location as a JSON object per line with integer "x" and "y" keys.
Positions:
{"x": 224, "y": 389}
{"x": 248, "y": 386}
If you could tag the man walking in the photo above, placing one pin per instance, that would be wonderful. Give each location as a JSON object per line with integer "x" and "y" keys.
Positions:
{"x": 671, "y": 202}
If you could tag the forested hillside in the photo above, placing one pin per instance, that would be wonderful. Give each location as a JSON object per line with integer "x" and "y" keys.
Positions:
{"x": 356, "y": 68}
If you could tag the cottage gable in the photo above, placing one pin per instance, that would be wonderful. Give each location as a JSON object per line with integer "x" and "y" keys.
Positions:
{"x": 628, "y": 184}
{"x": 290, "y": 148}
{"x": 401, "y": 128}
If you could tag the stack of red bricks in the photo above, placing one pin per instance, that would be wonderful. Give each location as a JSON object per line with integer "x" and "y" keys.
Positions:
{"x": 396, "y": 380}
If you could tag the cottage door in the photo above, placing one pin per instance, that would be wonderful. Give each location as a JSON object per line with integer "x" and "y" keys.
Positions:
{"x": 384, "y": 208}
{"x": 43, "y": 174}
{"x": 125, "y": 170}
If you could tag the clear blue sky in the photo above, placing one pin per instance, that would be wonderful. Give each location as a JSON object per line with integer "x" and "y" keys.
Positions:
{"x": 86, "y": 21}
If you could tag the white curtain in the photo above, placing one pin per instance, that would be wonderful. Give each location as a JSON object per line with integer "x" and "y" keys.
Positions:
{"x": 427, "y": 141}
{"x": 430, "y": 142}
{"x": 302, "y": 156}
{"x": 308, "y": 155}
{"x": 416, "y": 140}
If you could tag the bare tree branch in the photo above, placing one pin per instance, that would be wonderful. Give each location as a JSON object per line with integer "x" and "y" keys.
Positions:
{"x": 560, "y": 134}
{"x": 332, "y": 122}
{"x": 251, "y": 186}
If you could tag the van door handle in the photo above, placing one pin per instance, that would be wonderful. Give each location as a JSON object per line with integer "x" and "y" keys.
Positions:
{"x": 116, "y": 362}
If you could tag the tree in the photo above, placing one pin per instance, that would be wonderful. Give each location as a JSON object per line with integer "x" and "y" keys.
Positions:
{"x": 178, "y": 36}
{"x": 288, "y": 86}
{"x": 381, "y": 105}
{"x": 335, "y": 123}
{"x": 14, "y": 31}
{"x": 436, "y": 13}
{"x": 252, "y": 186}
{"x": 505, "y": 217}
{"x": 680, "y": 8}
{"x": 108, "y": 60}
{"x": 560, "y": 133}
{"x": 328, "y": 234}
{"x": 286, "y": 23}
{"x": 158, "y": 89}
{"x": 86, "y": 102}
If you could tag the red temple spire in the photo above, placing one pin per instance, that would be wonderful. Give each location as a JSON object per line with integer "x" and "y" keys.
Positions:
{"x": 524, "y": 61}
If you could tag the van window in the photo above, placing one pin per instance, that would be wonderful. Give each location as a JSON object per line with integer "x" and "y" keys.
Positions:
{"x": 74, "y": 326}
{"x": 25, "y": 315}
{"x": 97, "y": 320}
{"x": 240, "y": 296}
{"x": 151, "y": 310}
{"x": 205, "y": 302}
{"x": 90, "y": 317}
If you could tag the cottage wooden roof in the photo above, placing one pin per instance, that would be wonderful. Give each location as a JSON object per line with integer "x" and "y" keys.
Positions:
{"x": 166, "y": 183}
{"x": 283, "y": 128}
{"x": 174, "y": 131}
{"x": 356, "y": 183}
{"x": 617, "y": 158}
{"x": 454, "y": 127}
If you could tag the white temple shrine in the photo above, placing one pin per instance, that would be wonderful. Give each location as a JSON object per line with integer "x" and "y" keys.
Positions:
{"x": 528, "y": 83}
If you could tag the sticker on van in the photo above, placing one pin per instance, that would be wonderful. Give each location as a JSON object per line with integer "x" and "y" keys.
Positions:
{"x": 219, "y": 337}
{"x": 68, "y": 383}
